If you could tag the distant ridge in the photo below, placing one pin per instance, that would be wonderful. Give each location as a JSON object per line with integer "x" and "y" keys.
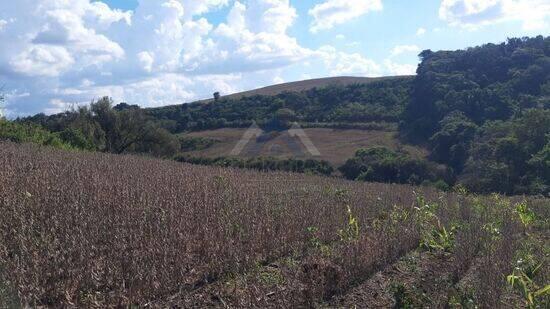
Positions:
{"x": 304, "y": 85}
{"x": 298, "y": 86}
{"x": 309, "y": 84}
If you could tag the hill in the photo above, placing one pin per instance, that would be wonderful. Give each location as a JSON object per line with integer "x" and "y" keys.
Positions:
{"x": 338, "y": 101}
{"x": 304, "y": 85}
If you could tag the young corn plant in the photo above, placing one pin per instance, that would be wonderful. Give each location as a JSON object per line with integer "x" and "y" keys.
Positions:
{"x": 435, "y": 236}
{"x": 526, "y": 215}
{"x": 351, "y": 231}
{"x": 525, "y": 278}
{"x": 534, "y": 295}
{"x": 439, "y": 239}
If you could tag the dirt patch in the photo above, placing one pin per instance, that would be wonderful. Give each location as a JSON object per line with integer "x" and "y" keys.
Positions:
{"x": 419, "y": 279}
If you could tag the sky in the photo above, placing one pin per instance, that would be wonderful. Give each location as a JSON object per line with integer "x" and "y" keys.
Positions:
{"x": 56, "y": 54}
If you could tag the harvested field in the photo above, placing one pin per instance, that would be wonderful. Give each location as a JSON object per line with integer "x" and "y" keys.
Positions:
{"x": 335, "y": 145}
{"x": 96, "y": 230}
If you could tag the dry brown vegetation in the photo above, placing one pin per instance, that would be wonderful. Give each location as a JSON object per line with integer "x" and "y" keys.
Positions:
{"x": 335, "y": 145}
{"x": 96, "y": 230}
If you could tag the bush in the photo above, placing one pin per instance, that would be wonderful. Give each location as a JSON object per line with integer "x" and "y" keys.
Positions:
{"x": 264, "y": 164}
{"x": 380, "y": 164}
{"x": 190, "y": 143}
{"x": 29, "y": 133}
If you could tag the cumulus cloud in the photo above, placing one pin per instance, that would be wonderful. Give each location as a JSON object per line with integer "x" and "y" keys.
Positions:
{"x": 58, "y": 34}
{"x": 421, "y": 31}
{"x": 330, "y": 13}
{"x": 341, "y": 63}
{"x": 472, "y": 14}
{"x": 253, "y": 43}
{"x": 399, "y": 69}
{"x": 401, "y": 49}
{"x": 42, "y": 60}
{"x": 163, "y": 52}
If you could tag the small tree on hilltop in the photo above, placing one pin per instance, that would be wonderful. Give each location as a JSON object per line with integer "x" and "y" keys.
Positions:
{"x": 216, "y": 96}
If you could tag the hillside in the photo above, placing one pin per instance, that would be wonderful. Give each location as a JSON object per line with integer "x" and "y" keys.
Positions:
{"x": 369, "y": 100}
{"x": 142, "y": 232}
{"x": 304, "y": 85}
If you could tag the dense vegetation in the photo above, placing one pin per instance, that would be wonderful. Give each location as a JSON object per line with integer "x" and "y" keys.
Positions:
{"x": 84, "y": 229}
{"x": 102, "y": 127}
{"x": 30, "y": 133}
{"x": 265, "y": 164}
{"x": 380, "y": 164}
{"x": 188, "y": 143}
{"x": 483, "y": 112}
{"x": 381, "y": 101}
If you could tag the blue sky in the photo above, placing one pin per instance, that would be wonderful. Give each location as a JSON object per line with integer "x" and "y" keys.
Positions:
{"x": 160, "y": 52}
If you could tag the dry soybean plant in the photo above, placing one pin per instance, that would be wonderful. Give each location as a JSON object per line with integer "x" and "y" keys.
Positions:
{"x": 89, "y": 229}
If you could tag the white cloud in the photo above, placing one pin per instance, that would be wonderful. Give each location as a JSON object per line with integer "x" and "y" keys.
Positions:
{"x": 198, "y": 7}
{"x": 472, "y": 14}
{"x": 399, "y": 69}
{"x": 421, "y": 31}
{"x": 340, "y": 37}
{"x": 3, "y": 23}
{"x": 163, "y": 52}
{"x": 146, "y": 59}
{"x": 42, "y": 60}
{"x": 50, "y": 37}
{"x": 58, "y": 106}
{"x": 340, "y": 63}
{"x": 401, "y": 49}
{"x": 104, "y": 16}
{"x": 256, "y": 43}
{"x": 278, "y": 80}
{"x": 334, "y": 12}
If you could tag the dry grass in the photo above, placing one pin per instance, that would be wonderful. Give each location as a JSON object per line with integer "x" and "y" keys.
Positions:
{"x": 80, "y": 229}
{"x": 335, "y": 145}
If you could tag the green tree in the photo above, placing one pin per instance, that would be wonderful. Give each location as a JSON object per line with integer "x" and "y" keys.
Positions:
{"x": 510, "y": 156}
{"x": 2, "y": 101}
{"x": 452, "y": 142}
{"x": 380, "y": 164}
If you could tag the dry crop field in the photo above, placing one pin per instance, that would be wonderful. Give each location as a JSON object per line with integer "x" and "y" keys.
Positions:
{"x": 97, "y": 230}
{"x": 335, "y": 145}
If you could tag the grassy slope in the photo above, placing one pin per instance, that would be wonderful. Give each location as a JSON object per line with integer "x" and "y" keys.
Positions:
{"x": 335, "y": 145}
